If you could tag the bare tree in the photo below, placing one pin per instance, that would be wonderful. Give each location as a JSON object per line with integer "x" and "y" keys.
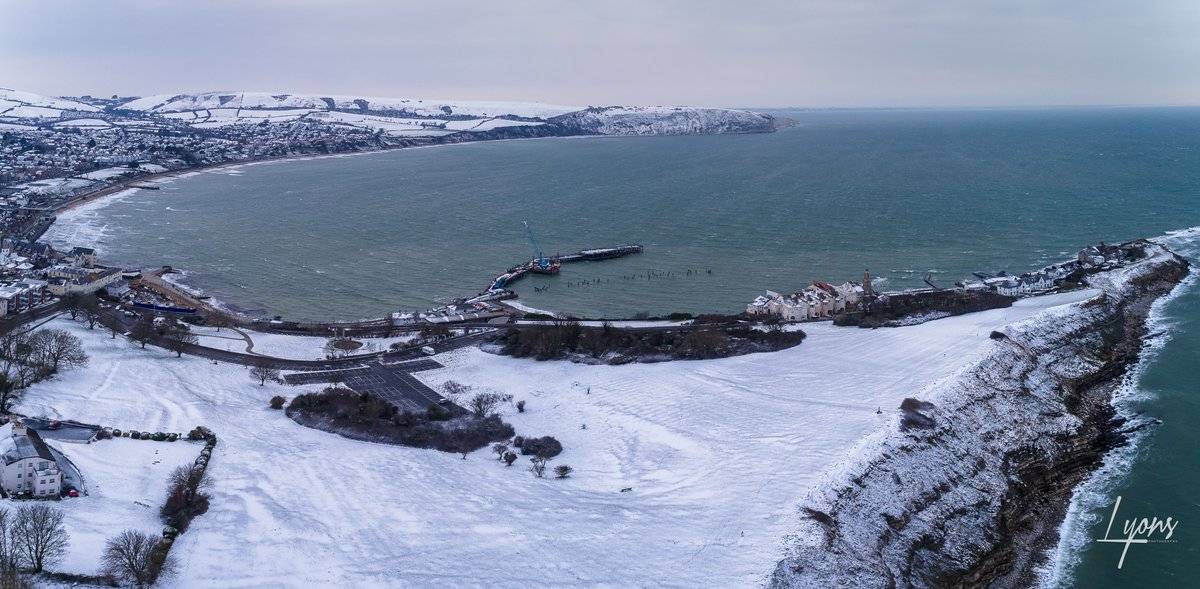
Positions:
{"x": 17, "y": 356}
{"x": 9, "y": 558}
{"x": 71, "y": 302}
{"x": 484, "y": 404}
{"x": 14, "y": 345}
{"x": 9, "y": 393}
{"x": 130, "y": 556}
{"x": 143, "y": 330}
{"x": 112, "y": 320}
{"x": 499, "y": 449}
{"x": 178, "y": 338}
{"x": 217, "y": 320}
{"x": 40, "y": 536}
{"x": 89, "y": 307}
{"x": 56, "y": 348}
{"x": 263, "y": 370}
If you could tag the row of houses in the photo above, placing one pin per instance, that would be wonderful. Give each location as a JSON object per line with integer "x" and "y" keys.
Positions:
{"x": 819, "y": 300}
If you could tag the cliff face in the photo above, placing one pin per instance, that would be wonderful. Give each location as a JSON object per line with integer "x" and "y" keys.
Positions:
{"x": 978, "y": 474}
{"x": 895, "y": 309}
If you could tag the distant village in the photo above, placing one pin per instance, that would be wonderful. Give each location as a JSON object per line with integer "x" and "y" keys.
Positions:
{"x": 821, "y": 300}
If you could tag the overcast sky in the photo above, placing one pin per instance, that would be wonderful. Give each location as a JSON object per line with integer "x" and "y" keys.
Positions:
{"x": 735, "y": 53}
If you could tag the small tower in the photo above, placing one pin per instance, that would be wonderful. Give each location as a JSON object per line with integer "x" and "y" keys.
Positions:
{"x": 868, "y": 292}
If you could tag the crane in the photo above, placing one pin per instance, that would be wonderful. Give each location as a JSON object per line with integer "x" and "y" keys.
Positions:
{"x": 540, "y": 262}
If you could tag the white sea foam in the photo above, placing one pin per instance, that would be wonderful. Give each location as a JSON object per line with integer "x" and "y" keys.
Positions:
{"x": 84, "y": 225}
{"x": 1095, "y": 494}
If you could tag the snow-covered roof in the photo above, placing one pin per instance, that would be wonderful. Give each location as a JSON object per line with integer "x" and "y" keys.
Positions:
{"x": 15, "y": 447}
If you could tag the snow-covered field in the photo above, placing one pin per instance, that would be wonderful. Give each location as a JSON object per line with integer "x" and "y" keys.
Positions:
{"x": 716, "y": 455}
{"x": 283, "y": 346}
{"x": 126, "y": 482}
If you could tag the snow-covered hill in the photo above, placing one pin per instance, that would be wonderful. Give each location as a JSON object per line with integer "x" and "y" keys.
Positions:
{"x": 666, "y": 120}
{"x": 27, "y": 105}
{"x": 394, "y": 116}
{"x": 174, "y": 103}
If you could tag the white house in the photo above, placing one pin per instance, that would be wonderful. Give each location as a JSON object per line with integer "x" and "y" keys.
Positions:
{"x": 29, "y": 466}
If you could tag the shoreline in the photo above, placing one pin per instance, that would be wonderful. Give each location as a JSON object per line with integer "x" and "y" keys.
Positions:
{"x": 974, "y": 484}
{"x": 1095, "y": 493}
{"x": 111, "y": 189}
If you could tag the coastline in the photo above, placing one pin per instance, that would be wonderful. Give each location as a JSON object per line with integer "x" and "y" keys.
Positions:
{"x": 974, "y": 489}
{"x": 1095, "y": 494}
{"x": 128, "y": 184}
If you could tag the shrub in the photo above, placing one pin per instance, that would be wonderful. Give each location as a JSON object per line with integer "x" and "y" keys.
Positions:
{"x": 185, "y": 496}
{"x": 436, "y": 412}
{"x": 104, "y": 434}
{"x": 199, "y": 433}
{"x": 543, "y": 447}
{"x": 521, "y": 406}
{"x": 366, "y": 417}
{"x": 135, "y": 435}
{"x": 562, "y": 471}
{"x": 538, "y": 468}
{"x": 509, "y": 458}
{"x": 277, "y": 402}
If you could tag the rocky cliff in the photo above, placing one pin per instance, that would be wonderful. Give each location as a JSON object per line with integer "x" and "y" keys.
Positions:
{"x": 972, "y": 481}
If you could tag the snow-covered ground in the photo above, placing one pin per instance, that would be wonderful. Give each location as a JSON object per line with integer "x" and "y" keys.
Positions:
{"x": 716, "y": 455}
{"x": 294, "y": 347}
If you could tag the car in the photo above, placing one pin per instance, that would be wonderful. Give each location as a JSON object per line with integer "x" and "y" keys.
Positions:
{"x": 428, "y": 350}
{"x": 72, "y": 493}
{"x": 130, "y": 314}
{"x": 443, "y": 401}
{"x": 55, "y": 424}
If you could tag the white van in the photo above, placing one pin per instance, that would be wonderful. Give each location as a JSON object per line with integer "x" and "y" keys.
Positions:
{"x": 428, "y": 350}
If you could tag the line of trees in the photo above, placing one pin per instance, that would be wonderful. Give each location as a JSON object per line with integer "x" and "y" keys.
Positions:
{"x": 27, "y": 357}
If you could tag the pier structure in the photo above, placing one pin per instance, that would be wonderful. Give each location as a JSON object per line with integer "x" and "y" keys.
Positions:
{"x": 501, "y": 282}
